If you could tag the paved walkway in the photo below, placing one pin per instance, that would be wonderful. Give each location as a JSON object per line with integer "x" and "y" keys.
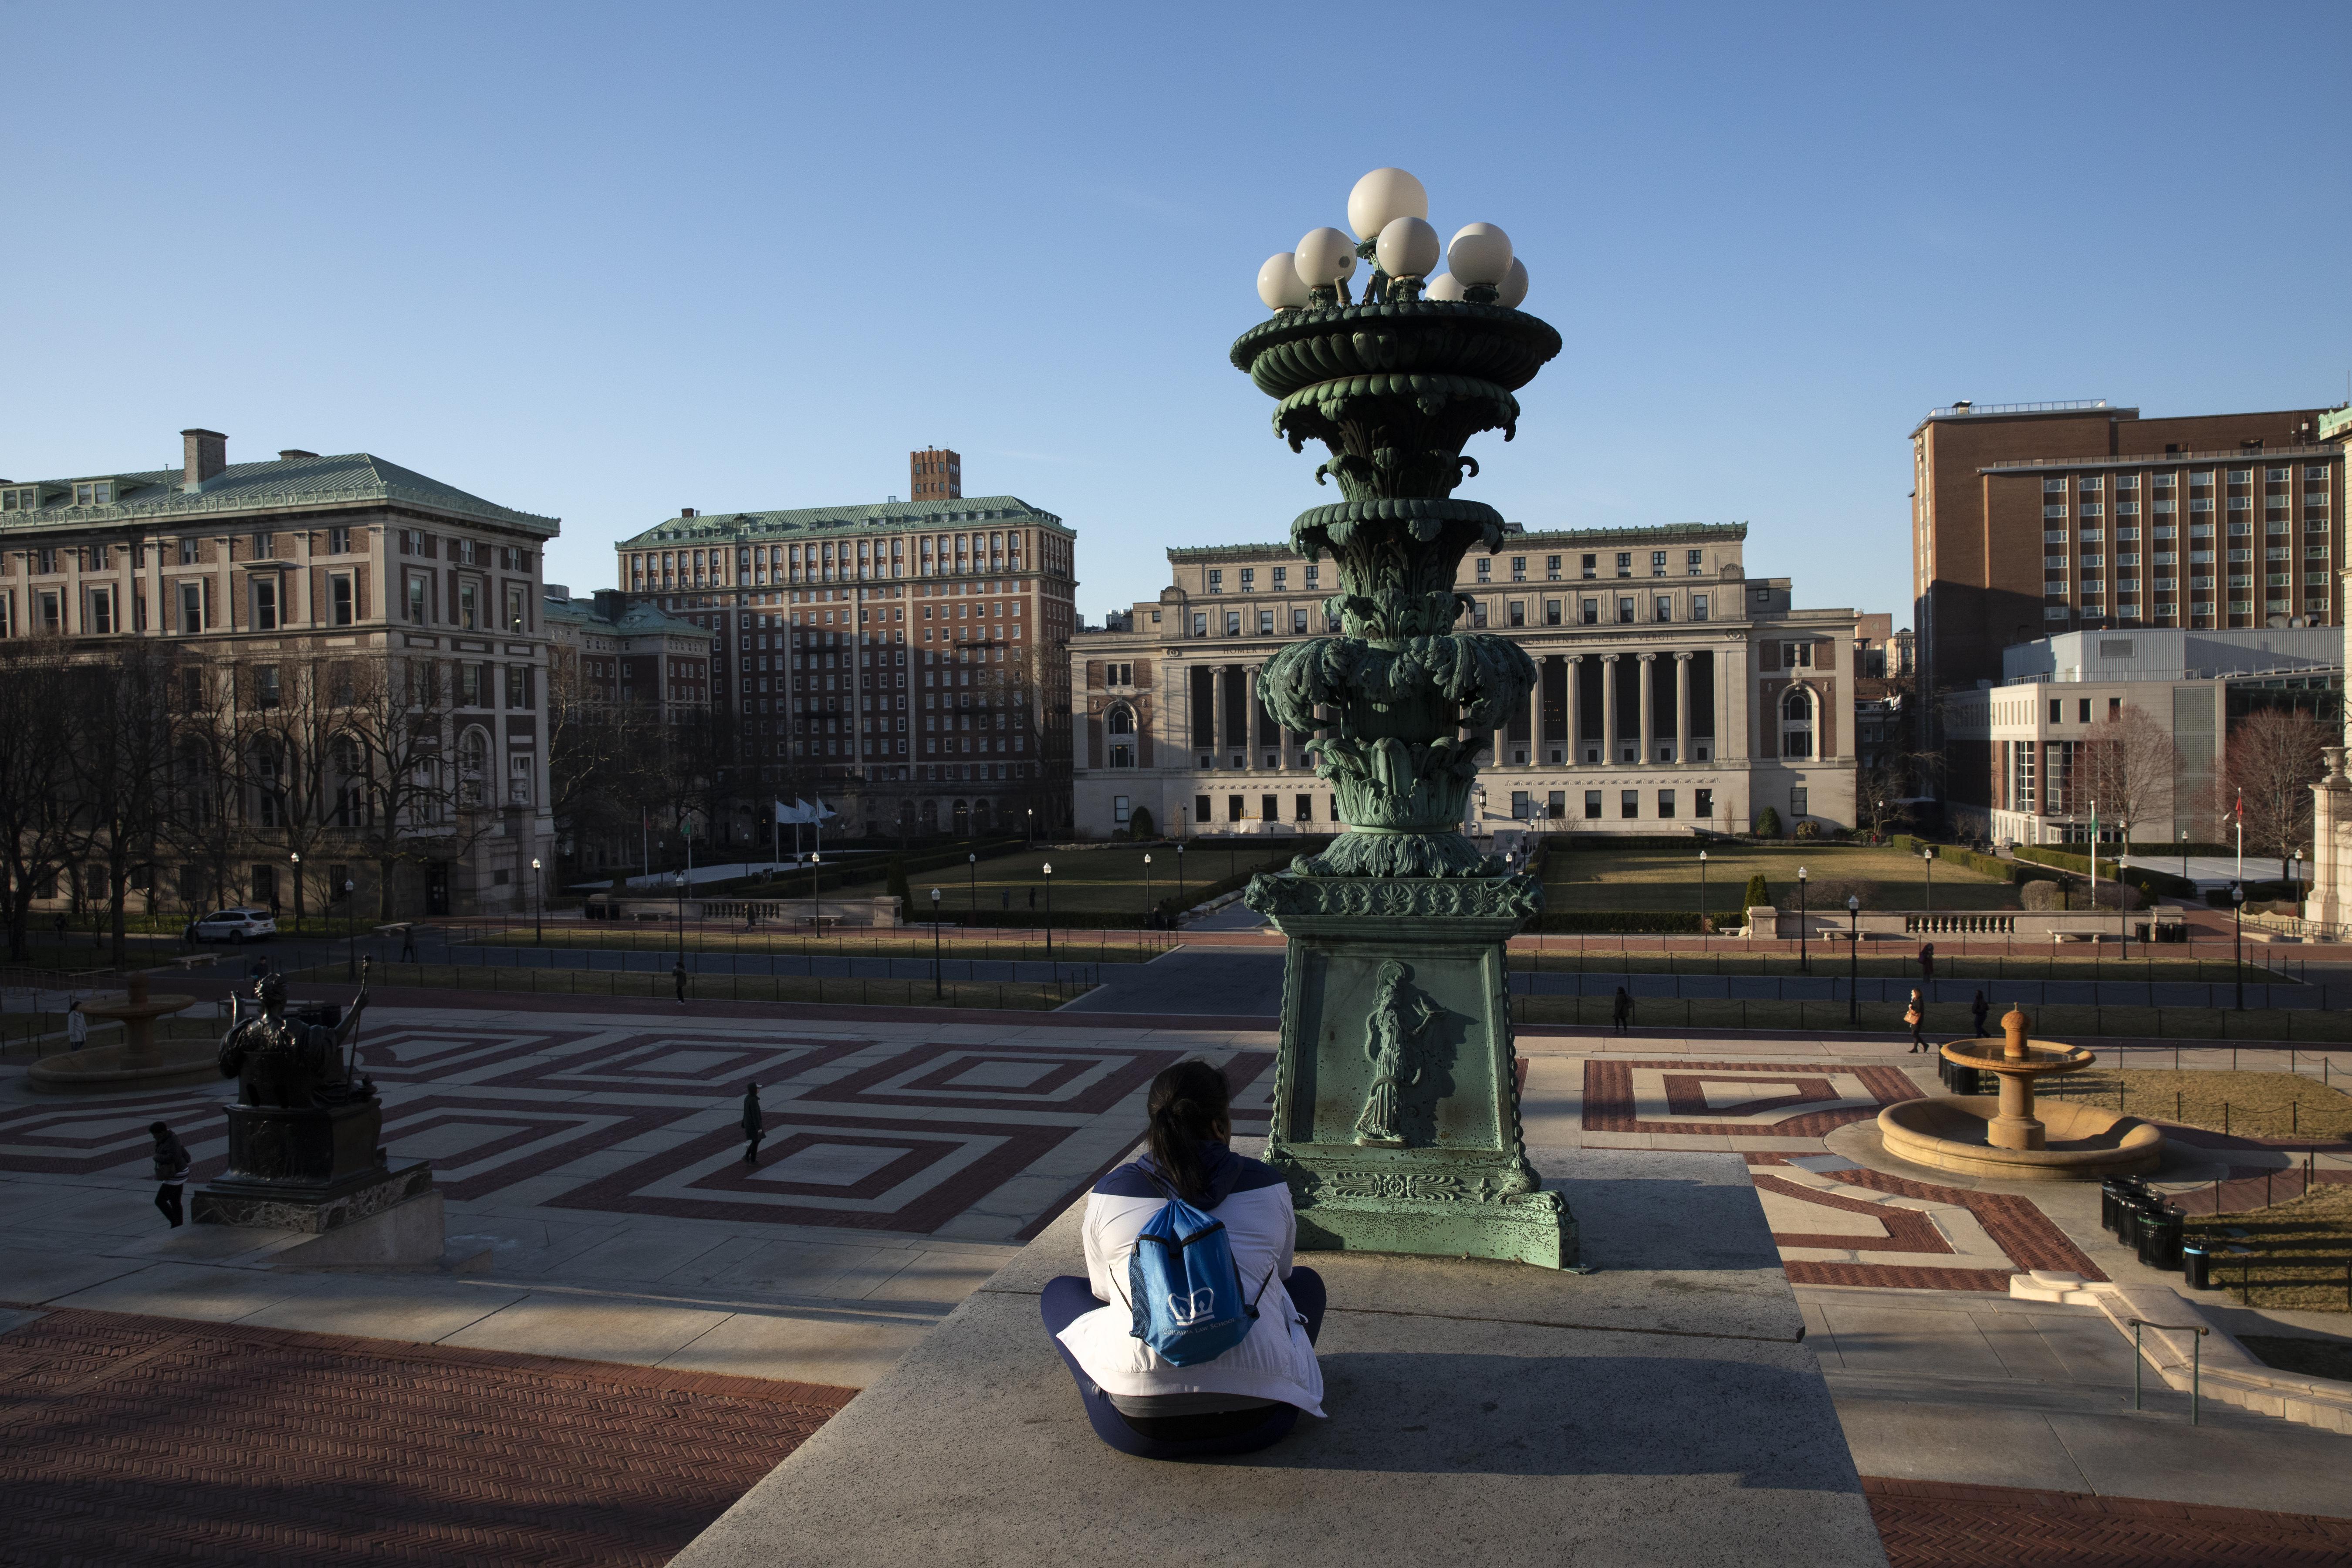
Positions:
{"x": 137, "y": 1441}
{"x": 1939, "y": 1524}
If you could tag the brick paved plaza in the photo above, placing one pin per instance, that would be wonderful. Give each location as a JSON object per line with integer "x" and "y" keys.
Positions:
{"x": 594, "y": 1155}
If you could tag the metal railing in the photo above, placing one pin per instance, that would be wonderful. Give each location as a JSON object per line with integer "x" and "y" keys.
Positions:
{"x": 2074, "y": 675}
{"x": 2196, "y": 1357}
{"x": 2148, "y": 459}
{"x": 1963, "y": 410}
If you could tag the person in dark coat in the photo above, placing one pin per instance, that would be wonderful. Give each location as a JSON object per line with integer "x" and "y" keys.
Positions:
{"x": 677, "y": 975}
{"x": 171, "y": 1171}
{"x": 1916, "y": 1014}
{"x": 1622, "y": 1011}
{"x": 753, "y": 1130}
{"x": 1927, "y": 960}
{"x": 1978, "y": 1009}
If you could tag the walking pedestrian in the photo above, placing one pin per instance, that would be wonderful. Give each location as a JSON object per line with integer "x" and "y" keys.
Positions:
{"x": 76, "y": 1025}
{"x": 409, "y": 942}
{"x": 1621, "y": 1010}
{"x": 59, "y": 925}
{"x": 1927, "y": 960}
{"x": 677, "y": 975}
{"x": 1916, "y": 1015}
{"x": 753, "y": 1128}
{"x": 1979, "y": 1009}
{"x": 171, "y": 1171}
{"x": 1033, "y": 897}
{"x": 257, "y": 971}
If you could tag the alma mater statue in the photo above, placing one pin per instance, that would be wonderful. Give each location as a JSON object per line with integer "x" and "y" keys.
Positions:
{"x": 286, "y": 1062}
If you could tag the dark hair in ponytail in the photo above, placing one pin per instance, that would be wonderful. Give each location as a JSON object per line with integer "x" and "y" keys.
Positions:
{"x": 1187, "y": 1105}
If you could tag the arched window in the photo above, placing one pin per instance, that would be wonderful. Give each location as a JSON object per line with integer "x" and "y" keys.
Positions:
{"x": 1120, "y": 725}
{"x": 473, "y": 766}
{"x": 1796, "y": 723}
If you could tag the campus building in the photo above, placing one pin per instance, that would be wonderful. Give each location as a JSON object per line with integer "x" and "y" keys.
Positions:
{"x": 2020, "y": 754}
{"x": 257, "y": 570}
{"x": 2031, "y": 519}
{"x": 903, "y": 661}
{"x": 1676, "y": 691}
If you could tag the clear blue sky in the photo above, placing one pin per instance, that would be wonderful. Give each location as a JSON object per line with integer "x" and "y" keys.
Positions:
{"x": 602, "y": 262}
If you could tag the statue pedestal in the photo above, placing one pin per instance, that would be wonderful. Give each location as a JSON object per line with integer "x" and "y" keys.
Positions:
{"x": 312, "y": 1168}
{"x": 1432, "y": 1161}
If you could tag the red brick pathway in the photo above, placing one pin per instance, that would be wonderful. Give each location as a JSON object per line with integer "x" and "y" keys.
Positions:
{"x": 1939, "y": 1524}
{"x": 135, "y": 1441}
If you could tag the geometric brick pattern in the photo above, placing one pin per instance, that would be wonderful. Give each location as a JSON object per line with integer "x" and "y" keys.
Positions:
{"x": 1735, "y": 1098}
{"x": 1940, "y": 1524}
{"x": 134, "y": 1441}
{"x": 2024, "y": 1236}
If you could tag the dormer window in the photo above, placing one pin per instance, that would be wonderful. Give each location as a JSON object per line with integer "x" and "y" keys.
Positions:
{"x": 94, "y": 492}
{"x": 24, "y": 497}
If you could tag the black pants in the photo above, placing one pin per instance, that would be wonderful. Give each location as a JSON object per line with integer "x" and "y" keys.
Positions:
{"x": 167, "y": 1199}
{"x": 752, "y": 1147}
{"x": 681, "y": 987}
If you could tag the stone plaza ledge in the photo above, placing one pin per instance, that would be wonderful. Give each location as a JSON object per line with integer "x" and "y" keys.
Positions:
{"x": 1662, "y": 1410}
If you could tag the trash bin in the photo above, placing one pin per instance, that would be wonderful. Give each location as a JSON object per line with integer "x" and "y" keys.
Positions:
{"x": 2160, "y": 1235}
{"x": 2111, "y": 1197}
{"x": 2196, "y": 1268}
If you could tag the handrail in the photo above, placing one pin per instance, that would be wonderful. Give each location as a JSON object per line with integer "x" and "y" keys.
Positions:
{"x": 2196, "y": 1355}
{"x": 1963, "y": 411}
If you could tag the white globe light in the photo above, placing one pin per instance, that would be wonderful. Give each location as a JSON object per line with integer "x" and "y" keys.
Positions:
{"x": 1444, "y": 286}
{"x": 1514, "y": 286}
{"x": 1480, "y": 253}
{"x": 1408, "y": 247}
{"x": 1278, "y": 283}
{"x": 1325, "y": 257}
{"x": 1383, "y": 196}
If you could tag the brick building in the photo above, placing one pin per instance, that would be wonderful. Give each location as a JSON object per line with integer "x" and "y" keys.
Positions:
{"x": 1676, "y": 691}
{"x": 934, "y": 474}
{"x": 258, "y": 570}
{"x": 903, "y": 661}
{"x": 2033, "y": 518}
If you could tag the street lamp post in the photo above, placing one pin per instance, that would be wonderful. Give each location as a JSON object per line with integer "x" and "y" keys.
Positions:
{"x": 1147, "y": 896}
{"x": 1702, "y": 901}
{"x": 1804, "y": 936}
{"x": 1928, "y": 853}
{"x": 1854, "y": 959}
{"x": 2184, "y": 857}
{"x": 814, "y": 859}
{"x": 972, "y": 874}
{"x": 1180, "y": 879}
{"x": 538, "y": 907}
{"x": 681, "y": 918}
{"x": 2238, "y": 938}
{"x": 296, "y": 856}
{"x": 1030, "y": 830}
{"x": 351, "y": 937}
{"x": 1049, "y": 910}
{"x": 936, "y": 992}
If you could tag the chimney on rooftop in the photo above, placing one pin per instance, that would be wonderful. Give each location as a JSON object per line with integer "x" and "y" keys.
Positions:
{"x": 686, "y": 511}
{"x": 288, "y": 453}
{"x": 206, "y": 453}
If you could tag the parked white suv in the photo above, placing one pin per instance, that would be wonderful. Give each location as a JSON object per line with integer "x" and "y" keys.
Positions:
{"x": 232, "y": 925}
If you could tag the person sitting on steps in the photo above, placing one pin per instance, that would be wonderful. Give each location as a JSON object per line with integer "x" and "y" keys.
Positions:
{"x": 1251, "y": 1395}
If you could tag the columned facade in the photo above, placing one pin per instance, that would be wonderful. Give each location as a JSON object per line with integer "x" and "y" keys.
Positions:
{"x": 1663, "y": 671}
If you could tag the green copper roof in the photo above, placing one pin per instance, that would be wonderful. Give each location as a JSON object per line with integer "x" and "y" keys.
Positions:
{"x": 921, "y": 516}
{"x": 1562, "y": 538}
{"x": 639, "y": 619}
{"x": 156, "y": 496}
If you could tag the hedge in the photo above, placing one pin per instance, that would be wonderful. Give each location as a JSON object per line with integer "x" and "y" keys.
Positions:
{"x": 1989, "y": 864}
{"x": 2258, "y": 892}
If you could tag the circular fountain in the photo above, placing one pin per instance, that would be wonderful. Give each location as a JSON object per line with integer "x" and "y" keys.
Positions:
{"x": 2009, "y": 1137}
{"x": 139, "y": 1062}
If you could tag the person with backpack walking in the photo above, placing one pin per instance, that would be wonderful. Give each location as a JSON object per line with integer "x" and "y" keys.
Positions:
{"x": 1193, "y": 1333}
{"x": 1978, "y": 1010}
{"x": 754, "y": 1129}
{"x": 171, "y": 1171}
{"x": 1620, "y": 1011}
{"x": 1916, "y": 1015}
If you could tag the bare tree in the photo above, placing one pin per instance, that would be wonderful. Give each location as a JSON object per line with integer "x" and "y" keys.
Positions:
{"x": 2127, "y": 770}
{"x": 203, "y": 822}
{"x": 37, "y": 827}
{"x": 2268, "y": 766}
{"x": 297, "y": 752}
{"x": 424, "y": 793}
{"x": 119, "y": 728}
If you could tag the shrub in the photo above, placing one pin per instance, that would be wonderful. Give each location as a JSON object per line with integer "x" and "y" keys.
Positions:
{"x": 1768, "y": 825}
{"x": 1809, "y": 829}
{"x": 1138, "y": 824}
{"x": 2045, "y": 896}
{"x": 1758, "y": 895}
{"x": 1630, "y": 922}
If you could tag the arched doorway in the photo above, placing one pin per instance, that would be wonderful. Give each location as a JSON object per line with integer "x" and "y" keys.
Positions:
{"x": 980, "y": 816}
{"x": 962, "y": 825}
{"x": 930, "y": 816}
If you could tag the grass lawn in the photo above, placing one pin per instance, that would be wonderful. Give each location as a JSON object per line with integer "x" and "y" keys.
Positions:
{"x": 2295, "y": 1253}
{"x": 1089, "y": 879}
{"x": 1948, "y": 1020}
{"x": 1885, "y": 878}
{"x": 1954, "y": 961}
{"x": 2254, "y": 1104}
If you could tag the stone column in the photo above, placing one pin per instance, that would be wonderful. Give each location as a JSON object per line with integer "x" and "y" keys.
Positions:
{"x": 1609, "y": 708}
{"x": 1251, "y": 718}
{"x": 1649, "y": 725}
{"x": 1216, "y": 714}
{"x": 1682, "y": 709}
{"x": 1572, "y": 662}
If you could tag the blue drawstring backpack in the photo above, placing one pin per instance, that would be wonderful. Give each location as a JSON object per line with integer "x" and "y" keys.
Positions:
{"x": 1183, "y": 1288}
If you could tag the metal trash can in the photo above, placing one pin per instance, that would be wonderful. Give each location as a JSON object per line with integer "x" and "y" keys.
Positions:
{"x": 2111, "y": 1197}
{"x": 2196, "y": 1268}
{"x": 2160, "y": 1235}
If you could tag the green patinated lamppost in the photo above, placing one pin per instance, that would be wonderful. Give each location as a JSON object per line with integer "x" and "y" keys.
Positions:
{"x": 1396, "y": 1114}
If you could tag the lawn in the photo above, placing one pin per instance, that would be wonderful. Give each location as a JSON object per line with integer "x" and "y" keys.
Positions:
{"x": 1090, "y": 878}
{"x": 1946, "y": 1020}
{"x": 2252, "y": 1104}
{"x": 2293, "y": 1253}
{"x": 1883, "y": 878}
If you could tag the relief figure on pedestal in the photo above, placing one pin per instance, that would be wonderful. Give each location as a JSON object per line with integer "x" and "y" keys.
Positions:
{"x": 1401, "y": 1013}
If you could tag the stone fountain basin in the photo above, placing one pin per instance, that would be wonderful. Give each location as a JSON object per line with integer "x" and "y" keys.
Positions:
{"x": 100, "y": 1070}
{"x": 2041, "y": 1057}
{"x": 2083, "y": 1143}
{"x": 160, "y": 1004}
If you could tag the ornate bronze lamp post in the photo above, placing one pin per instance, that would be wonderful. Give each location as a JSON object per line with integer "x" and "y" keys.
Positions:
{"x": 1395, "y": 1102}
